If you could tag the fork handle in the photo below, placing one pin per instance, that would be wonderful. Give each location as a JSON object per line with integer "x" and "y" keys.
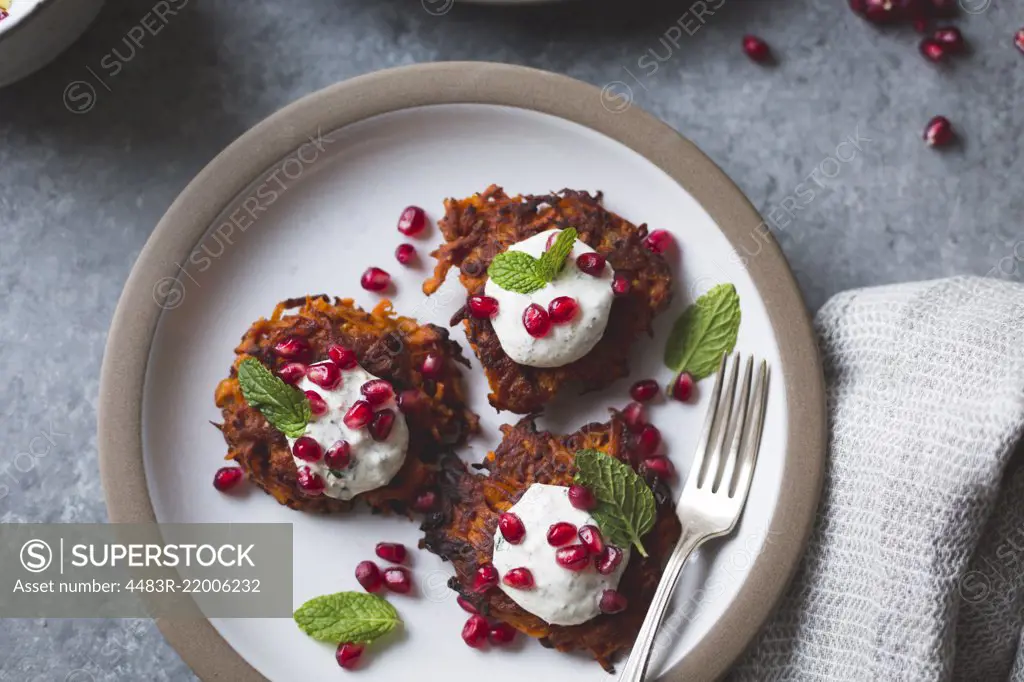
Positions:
{"x": 636, "y": 665}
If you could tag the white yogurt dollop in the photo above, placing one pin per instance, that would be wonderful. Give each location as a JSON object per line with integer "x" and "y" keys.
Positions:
{"x": 565, "y": 343}
{"x": 373, "y": 463}
{"x": 559, "y": 596}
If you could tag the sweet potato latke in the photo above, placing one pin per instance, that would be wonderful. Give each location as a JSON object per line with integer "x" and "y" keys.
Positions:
{"x": 462, "y": 531}
{"x": 478, "y": 228}
{"x": 386, "y": 345}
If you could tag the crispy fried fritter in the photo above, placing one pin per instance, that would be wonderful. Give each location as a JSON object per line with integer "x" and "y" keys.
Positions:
{"x": 478, "y": 228}
{"x": 387, "y": 346}
{"x": 462, "y": 531}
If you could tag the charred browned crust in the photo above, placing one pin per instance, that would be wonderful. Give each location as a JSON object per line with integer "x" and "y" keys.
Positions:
{"x": 462, "y": 531}
{"x": 386, "y": 345}
{"x": 479, "y": 227}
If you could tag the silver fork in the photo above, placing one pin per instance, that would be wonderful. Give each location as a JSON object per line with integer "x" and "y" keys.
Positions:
{"x": 715, "y": 491}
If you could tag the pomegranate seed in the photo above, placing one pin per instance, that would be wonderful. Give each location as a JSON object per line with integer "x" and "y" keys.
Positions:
{"x": 310, "y": 482}
{"x": 682, "y": 387}
{"x": 412, "y": 220}
{"x": 561, "y": 533}
{"x": 408, "y": 400}
{"x": 348, "y": 654}
{"x": 621, "y": 284}
{"x": 878, "y": 11}
{"x": 475, "y": 631}
{"x": 391, "y": 551}
{"x": 1018, "y": 39}
{"x": 581, "y": 498}
{"x": 591, "y": 538}
{"x": 324, "y": 374}
{"x": 338, "y": 456}
{"x": 563, "y": 309}
{"x": 502, "y": 633}
{"x": 227, "y": 478}
{"x": 635, "y": 417}
{"x": 359, "y": 415}
{"x": 380, "y": 427}
{"x": 432, "y": 365}
{"x": 939, "y": 132}
{"x": 466, "y": 605}
{"x": 342, "y": 357}
{"x": 292, "y": 373}
{"x": 377, "y": 391}
{"x": 317, "y": 405}
{"x": 486, "y": 577}
{"x": 307, "y": 449}
{"x": 648, "y": 440}
{"x": 405, "y": 253}
{"x": 757, "y": 50}
{"x": 951, "y": 38}
{"x": 519, "y": 578}
{"x": 375, "y": 279}
{"x": 536, "y": 321}
{"x": 511, "y": 527}
{"x": 294, "y": 348}
{"x": 398, "y": 579}
{"x": 612, "y": 602}
{"x": 660, "y": 467}
{"x": 609, "y": 560}
{"x": 573, "y": 557}
{"x": 425, "y": 501}
{"x": 932, "y": 49}
{"x": 482, "y": 306}
{"x": 591, "y": 263}
{"x": 369, "y": 576}
{"x": 644, "y": 390}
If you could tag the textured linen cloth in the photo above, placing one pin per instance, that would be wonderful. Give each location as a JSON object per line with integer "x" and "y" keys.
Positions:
{"x": 915, "y": 567}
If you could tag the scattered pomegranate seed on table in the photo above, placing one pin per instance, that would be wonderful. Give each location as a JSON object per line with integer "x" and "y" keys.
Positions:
{"x": 1018, "y": 39}
{"x": 359, "y": 415}
{"x": 938, "y": 132}
{"x": 482, "y": 306}
{"x": 932, "y": 50}
{"x": 581, "y": 498}
{"x": 612, "y": 602}
{"x": 398, "y": 579}
{"x": 591, "y": 263}
{"x": 573, "y": 557}
{"x": 561, "y": 533}
{"x": 391, "y": 551}
{"x": 307, "y": 449}
{"x": 475, "y": 631}
{"x": 369, "y": 576}
{"x": 227, "y": 478}
{"x": 502, "y": 633}
{"x": 293, "y": 348}
{"x": 431, "y": 366}
{"x": 621, "y": 284}
{"x": 375, "y": 279}
{"x": 536, "y": 321}
{"x": 512, "y": 528}
{"x": 466, "y": 605}
{"x": 660, "y": 467}
{"x": 412, "y": 221}
{"x": 343, "y": 357}
{"x": 310, "y": 482}
{"x": 425, "y": 501}
{"x": 563, "y": 309}
{"x": 317, "y": 405}
{"x": 377, "y": 391}
{"x": 292, "y": 373}
{"x": 486, "y": 577}
{"x": 756, "y": 49}
{"x": 648, "y": 440}
{"x": 643, "y": 390}
{"x": 348, "y": 655}
{"x": 520, "y": 578}
{"x": 951, "y": 38}
{"x": 591, "y": 538}
{"x": 635, "y": 417}
{"x": 338, "y": 456}
{"x": 609, "y": 560}
{"x": 659, "y": 241}
{"x": 324, "y": 374}
{"x": 380, "y": 427}
{"x": 682, "y": 387}
{"x": 405, "y": 253}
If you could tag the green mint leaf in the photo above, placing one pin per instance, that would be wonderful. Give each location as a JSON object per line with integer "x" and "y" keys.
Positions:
{"x": 516, "y": 271}
{"x": 347, "y": 617}
{"x": 553, "y": 260}
{"x": 285, "y": 407}
{"x": 625, "y": 505}
{"x": 705, "y": 332}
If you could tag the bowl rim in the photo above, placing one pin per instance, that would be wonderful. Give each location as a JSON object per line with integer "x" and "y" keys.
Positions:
{"x": 230, "y": 172}
{"x": 24, "y": 21}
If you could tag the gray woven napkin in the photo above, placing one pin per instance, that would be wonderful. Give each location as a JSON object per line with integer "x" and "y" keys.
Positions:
{"x": 915, "y": 567}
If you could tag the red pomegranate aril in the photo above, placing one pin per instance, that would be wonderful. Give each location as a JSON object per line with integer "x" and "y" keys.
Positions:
{"x": 486, "y": 577}
{"x": 310, "y": 482}
{"x": 635, "y": 417}
{"x": 343, "y": 357}
{"x": 502, "y": 633}
{"x": 951, "y": 38}
{"x": 375, "y": 279}
{"x": 405, "y": 253}
{"x": 324, "y": 374}
{"x": 621, "y": 284}
{"x": 536, "y": 321}
{"x": 292, "y": 373}
{"x": 338, "y": 456}
{"x": 660, "y": 467}
{"x": 348, "y": 654}
{"x": 412, "y": 221}
{"x": 643, "y": 390}
{"x": 581, "y": 498}
{"x": 591, "y": 538}
{"x": 431, "y": 366}
{"x": 425, "y": 501}
{"x": 561, "y": 533}
{"x": 317, "y": 404}
{"x": 648, "y": 440}
{"x": 573, "y": 557}
{"x": 307, "y": 449}
{"x": 482, "y": 306}
{"x": 757, "y": 50}
{"x": 938, "y": 132}
{"x": 609, "y": 560}
{"x": 1018, "y": 39}
{"x": 520, "y": 578}
{"x": 369, "y": 576}
{"x": 511, "y": 527}
{"x": 878, "y": 11}
{"x": 293, "y": 348}
{"x": 475, "y": 631}
{"x": 466, "y": 605}
{"x": 398, "y": 579}
{"x": 408, "y": 400}
{"x": 359, "y": 415}
{"x": 612, "y": 602}
{"x": 394, "y": 552}
{"x": 563, "y": 309}
{"x": 380, "y": 427}
{"x": 682, "y": 387}
{"x": 227, "y": 478}
{"x": 932, "y": 50}
{"x": 591, "y": 263}
{"x": 377, "y": 391}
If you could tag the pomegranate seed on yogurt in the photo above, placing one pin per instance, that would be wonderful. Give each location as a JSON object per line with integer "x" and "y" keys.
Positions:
{"x": 563, "y": 309}
{"x": 359, "y": 415}
{"x": 511, "y": 527}
{"x": 292, "y": 372}
{"x": 324, "y": 374}
{"x": 317, "y": 404}
{"x": 573, "y": 557}
{"x": 591, "y": 263}
{"x": 561, "y": 533}
{"x": 377, "y": 391}
{"x": 537, "y": 321}
{"x": 307, "y": 449}
{"x": 521, "y": 578}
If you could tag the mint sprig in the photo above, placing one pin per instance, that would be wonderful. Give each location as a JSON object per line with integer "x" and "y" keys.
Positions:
{"x": 705, "y": 332}
{"x": 522, "y": 273}
{"x": 284, "y": 406}
{"x": 347, "y": 617}
{"x": 625, "y": 505}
